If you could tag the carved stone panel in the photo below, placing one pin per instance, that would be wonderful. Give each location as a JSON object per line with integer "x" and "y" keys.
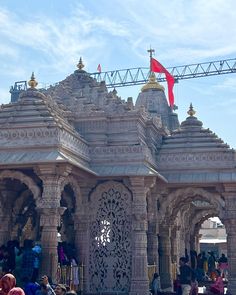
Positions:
{"x": 110, "y": 239}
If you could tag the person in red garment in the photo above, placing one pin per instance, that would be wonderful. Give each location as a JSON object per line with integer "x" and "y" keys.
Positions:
{"x": 217, "y": 287}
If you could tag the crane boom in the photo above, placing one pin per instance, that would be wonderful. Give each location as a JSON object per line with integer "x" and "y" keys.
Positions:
{"x": 137, "y": 76}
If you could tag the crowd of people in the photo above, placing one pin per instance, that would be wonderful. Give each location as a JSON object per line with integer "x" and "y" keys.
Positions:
{"x": 199, "y": 268}
{"x": 24, "y": 262}
{"x": 194, "y": 270}
{"x": 8, "y": 286}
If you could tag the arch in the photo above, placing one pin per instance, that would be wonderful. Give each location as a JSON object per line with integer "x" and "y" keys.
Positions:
{"x": 176, "y": 199}
{"x": 24, "y": 179}
{"x": 75, "y": 187}
{"x": 200, "y": 217}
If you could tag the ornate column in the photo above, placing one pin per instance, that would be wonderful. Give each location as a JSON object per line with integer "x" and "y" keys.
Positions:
{"x": 165, "y": 257}
{"x": 152, "y": 243}
{"x": 229, "y": 221}
{"x": 50, "y": 214}
{"x": 81, "y": 223}
{"x": 153, "y": 229}
{"x": 139, "y": 276}
{"x": 174, "y": 250}
{"x": 50, "y": 219}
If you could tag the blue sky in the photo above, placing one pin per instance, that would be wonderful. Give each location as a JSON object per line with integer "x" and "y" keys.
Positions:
{"x": 49, "y": 36}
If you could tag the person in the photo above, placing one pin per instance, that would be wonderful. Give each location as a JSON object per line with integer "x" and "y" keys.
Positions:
{"x": 38, "y": 250}
{"x": 211, "y": 263}
{"x": 45, "y": 287}
{"x": 155, "y": 284}
{"x": 200, "y": 268}
{"x": 60, "y": 289}
{"x": 205, "y": 263}
{"x": 17, "y": 271}
{"x": 223, "y": 265}
{"x": 7, "y": 282}
{"x": 28, "y": 258}
{"x": 194, "y": 287}
{"x": 186, "y": 276}
{"x": 217, "y": 287}
{"x": 30, "y": 288}
{"x": 16, "y": 291}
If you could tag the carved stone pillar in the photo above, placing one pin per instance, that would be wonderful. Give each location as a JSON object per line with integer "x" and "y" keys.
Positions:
{"x": 152, "y": 242}
{"x": 139, "y": 277}
{"x": 50, "y": 214}
{"x": 153, "y": 229}
{"x": 174, "y": 250}
{"x": 165, "y": 257}
{"x": 82, "y": 246}
{"x": 50, "y": 219}
{"x": 229, "y": 220}
{"x": 82, "y": 233}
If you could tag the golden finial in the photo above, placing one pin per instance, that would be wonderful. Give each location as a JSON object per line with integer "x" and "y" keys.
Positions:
{"x": 191, "y": 111}
{"x": 152, "y": 83}
{"x": 32, "y": 82}
{"x": 80, "y": 65}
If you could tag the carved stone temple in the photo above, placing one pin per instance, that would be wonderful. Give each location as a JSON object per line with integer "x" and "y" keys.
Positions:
{"x": 126, "y": 183}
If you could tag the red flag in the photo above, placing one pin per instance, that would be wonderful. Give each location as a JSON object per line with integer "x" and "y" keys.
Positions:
{"x": 158, "y": 68}
{"x": 99, "y": 68}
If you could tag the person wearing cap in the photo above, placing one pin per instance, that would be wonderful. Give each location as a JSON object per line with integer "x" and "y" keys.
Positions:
{"x": 60, "y": 289}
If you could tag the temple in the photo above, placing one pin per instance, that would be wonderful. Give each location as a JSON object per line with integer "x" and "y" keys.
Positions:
{"x": 126, "y": 183}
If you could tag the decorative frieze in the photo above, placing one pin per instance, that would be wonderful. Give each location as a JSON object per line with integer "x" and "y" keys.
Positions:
{"x": 199, "y": 159}
{"x": 28, "y": 136}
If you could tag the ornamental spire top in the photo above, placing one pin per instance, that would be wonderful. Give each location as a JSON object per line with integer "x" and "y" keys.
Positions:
{"x": 80, "y": 65}
{"x": 32, "y": 82}
{"x": 191, "y": 111}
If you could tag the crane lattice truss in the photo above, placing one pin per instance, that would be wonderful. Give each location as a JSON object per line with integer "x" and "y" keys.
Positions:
{"x": 137, "y": 76}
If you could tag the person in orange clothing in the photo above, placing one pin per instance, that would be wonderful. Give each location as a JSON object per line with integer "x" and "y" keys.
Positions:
{"x": 7, "y": 282}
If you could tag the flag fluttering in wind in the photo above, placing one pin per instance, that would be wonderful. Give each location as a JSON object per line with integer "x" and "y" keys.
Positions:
{"x": 99, "y": 68}
{"x": 156, "y": 67}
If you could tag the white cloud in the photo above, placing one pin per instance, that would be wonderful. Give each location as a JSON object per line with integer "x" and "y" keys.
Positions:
{"x": 4, "y": 96}
{"x": 56, "y": 44}
{"x": 228, "y": 83}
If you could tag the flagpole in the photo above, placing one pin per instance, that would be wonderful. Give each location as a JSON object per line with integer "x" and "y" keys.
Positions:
{"x": 151, "y": 51}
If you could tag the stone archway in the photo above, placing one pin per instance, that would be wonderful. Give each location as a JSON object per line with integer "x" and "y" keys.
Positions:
{"x": 72, "y": 200}
{"x": 180, "y": 197}
{"x": 178, "y": 209}
{"x": 19, "y": 194}
{"x": 24, "y": 179}
{"x": 110, "y": 238}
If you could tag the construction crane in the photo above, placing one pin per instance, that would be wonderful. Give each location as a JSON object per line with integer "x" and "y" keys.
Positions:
{"x": 138, "y": 76}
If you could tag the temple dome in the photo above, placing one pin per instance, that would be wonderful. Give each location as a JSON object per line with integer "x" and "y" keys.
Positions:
{"x": 153, "y": 98}
{"x": 152, "y": 84}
